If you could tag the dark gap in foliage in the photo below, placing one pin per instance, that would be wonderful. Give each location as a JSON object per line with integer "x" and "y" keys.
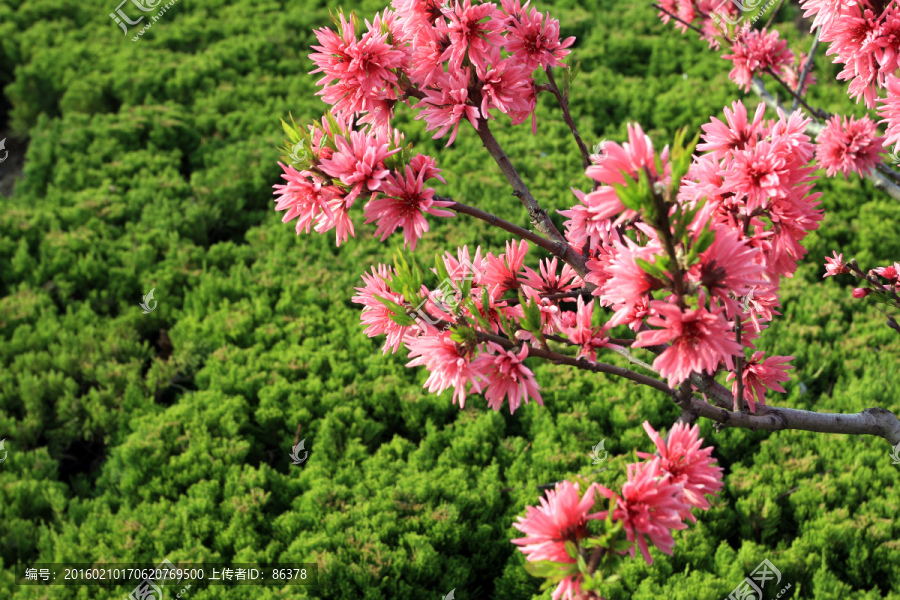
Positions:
{"x": 79, "y": 465}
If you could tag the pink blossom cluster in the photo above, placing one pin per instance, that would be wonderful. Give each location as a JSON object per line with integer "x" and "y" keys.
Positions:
{"x": 462, "y": 60}
{"x": 887, "y": 278}
{"x": 755, "y": 52}
{"x": 849, "y": 145}
{"x": 710, "y": 16}
{"x": 864, "y": 36}
{"x": 342, "y": 165}
{"x": 497, "y": 372}
{"x": 657, "y": 498}
{"x": 751, "y": 188}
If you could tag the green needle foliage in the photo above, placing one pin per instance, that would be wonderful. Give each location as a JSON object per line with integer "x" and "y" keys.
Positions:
{"x": 135, "y": 437}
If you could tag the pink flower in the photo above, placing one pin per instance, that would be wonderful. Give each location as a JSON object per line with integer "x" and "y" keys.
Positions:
{"x": 507, "y": 377}
{"x": 755, "y": 52}
{"x": 824, "y": 10}
{"x": 375, "y": 314}
{"x": 583, "y": 332}
{"x": 759, "y": 173}
{"x": 587, "y": 224}
{"x": 721, "y": 139}
{"x": 699, "y": 339}
{"x": 650, "y": 507}
{"x": 688, "y": 465}
{"x": 890, "y": 110}
{"x": 532, "y": 40}
{"x": 631, "y": 158}
{"x": 473, "y": 31}
{"x": 447, "y": 362}
{"x": 501, "y": 273}
{"x": 730, "y": 265}
{"x": 626, "y": 283}
{"x": 848, "y": 146}
{"x": 363, "y": 69}
{"x": 548, "y": 282}
{"x": 759, "y": 374}
{"x": 305, "y": 196}
{"x": 359, "y": 164}
{"x": 861, "y": 292}
{"x": 561, "y": 517}
{"x": 405, "y": 203}
{"x": 443, "y": 108}
{"x": 505, "y": 86}
{"x": 835, "y": 266}
{"x": 891, "y": 273}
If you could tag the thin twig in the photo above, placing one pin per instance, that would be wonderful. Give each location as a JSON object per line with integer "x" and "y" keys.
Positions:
{"x": 774, "y": 12}
{"x": 580, "y": 363}
{"x": 539, "y": 217}
{"x": 502, "y": 224}
{"x": 564, "y": 105}
{"x": 806, "y": 68}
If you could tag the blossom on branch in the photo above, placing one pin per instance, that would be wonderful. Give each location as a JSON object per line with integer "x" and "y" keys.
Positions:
{"x": 849, "y": 145}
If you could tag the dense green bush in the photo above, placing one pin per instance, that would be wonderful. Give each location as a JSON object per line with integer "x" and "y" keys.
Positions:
{"x": 136, "y": 437}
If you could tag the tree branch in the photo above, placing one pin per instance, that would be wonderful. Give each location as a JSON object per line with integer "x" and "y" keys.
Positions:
{"x": 878, "y": 179}
{"x": 807, "y": 67}
{"x": 564, "y": 105}
{"x": 539, "y": 217}
{"x": 502, "y": 224}
{"x": 580, "y": 363}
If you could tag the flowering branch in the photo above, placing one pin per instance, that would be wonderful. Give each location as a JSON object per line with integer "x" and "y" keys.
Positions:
{"x": 502, "y": 224}
{"x": 579, "y": 363}
{"x": 539, "y": 217}
{"x": 877, "y": 177}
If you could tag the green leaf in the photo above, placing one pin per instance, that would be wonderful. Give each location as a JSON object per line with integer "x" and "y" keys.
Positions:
{"x": 652, "y": 269}
{"x": 403, "y": 320}
{"x": 392, "y": 306}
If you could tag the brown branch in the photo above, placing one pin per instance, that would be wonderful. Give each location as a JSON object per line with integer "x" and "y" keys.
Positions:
{"x": 774, "y": 12}
{"x": 580, "y": 363}
{"x": 680, "y": 20}
{"x": 564, "y": 105}
{"x": 539, "y": 217}
{"x": 502, "y": 224}
{"x": 871, "y": 421}
{"x": 816, "y": 112}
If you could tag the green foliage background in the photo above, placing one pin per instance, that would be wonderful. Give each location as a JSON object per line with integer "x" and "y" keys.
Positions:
{"x": 137, "y": 437}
